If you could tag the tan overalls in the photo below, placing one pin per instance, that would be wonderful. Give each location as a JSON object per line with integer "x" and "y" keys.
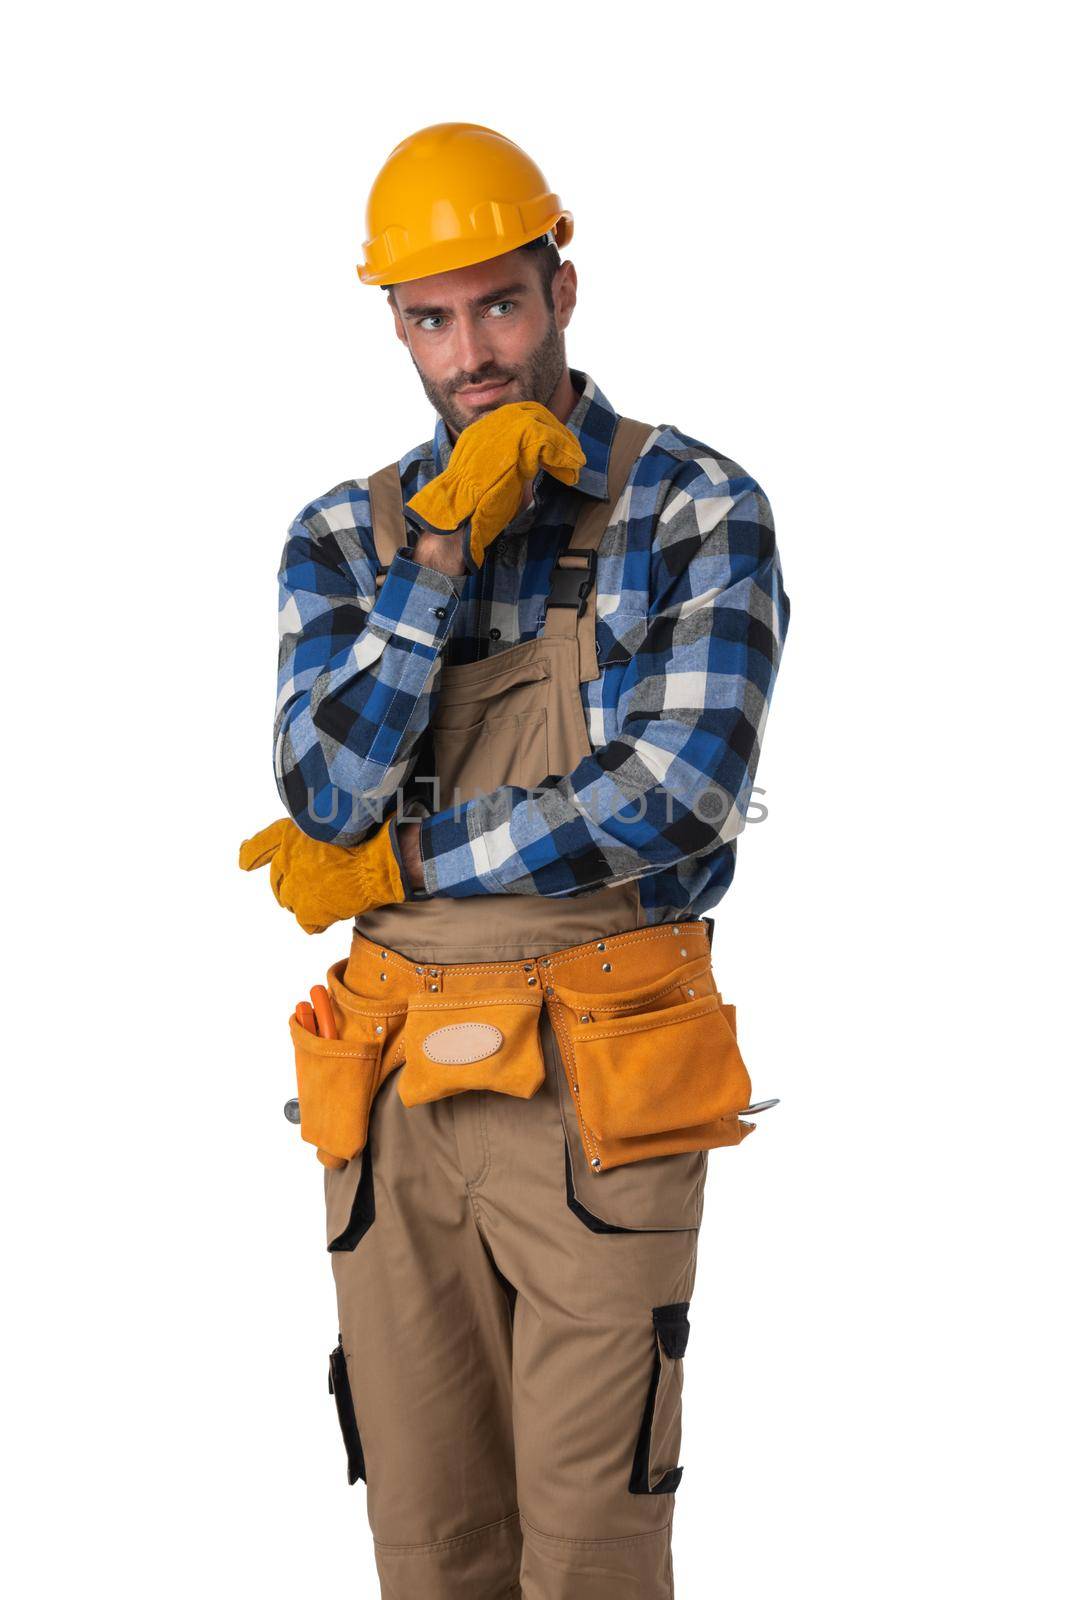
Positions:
{"x": 514, "y": 1232}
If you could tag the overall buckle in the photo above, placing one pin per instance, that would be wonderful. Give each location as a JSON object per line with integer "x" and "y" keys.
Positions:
{"x": 570, "y": 586}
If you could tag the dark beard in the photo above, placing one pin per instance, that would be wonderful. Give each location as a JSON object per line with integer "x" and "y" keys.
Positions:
{"x": 537, "y": 379}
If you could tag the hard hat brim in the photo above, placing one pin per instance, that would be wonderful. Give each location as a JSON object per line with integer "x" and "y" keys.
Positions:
{"x": 450, "y": 255}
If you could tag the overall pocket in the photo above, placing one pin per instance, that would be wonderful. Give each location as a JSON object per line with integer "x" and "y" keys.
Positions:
{"x": 486, "y": 1041}
{"x": 655, "y": 1467}
{"x": 476, "y": 759}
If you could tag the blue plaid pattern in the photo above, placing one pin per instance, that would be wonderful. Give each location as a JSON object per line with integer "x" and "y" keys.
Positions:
{"x": 691, "y": 618}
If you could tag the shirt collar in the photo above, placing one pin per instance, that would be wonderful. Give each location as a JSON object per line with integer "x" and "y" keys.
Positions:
{"x": 592, "y": 420}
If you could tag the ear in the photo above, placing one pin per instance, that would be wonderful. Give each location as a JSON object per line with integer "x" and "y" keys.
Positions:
{"x": 564, "y": 292}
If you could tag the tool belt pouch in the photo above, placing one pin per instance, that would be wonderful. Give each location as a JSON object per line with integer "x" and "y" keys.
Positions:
{"x": 655, "y": 1070}
{"x": 451, "y": 1043}
{"x": 337, "y": 1079}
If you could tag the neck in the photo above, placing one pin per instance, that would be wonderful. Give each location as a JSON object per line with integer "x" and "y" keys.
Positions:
{"x": 565, "y": 397}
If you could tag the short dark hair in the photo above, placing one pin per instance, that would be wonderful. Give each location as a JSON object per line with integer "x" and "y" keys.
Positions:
{"x": 548, "y": 264}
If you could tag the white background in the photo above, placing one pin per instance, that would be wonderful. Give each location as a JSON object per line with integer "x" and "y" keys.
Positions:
{"x": 819, "y": 238}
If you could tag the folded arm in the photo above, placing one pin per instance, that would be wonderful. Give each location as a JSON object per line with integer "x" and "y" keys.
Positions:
{"x": 356, "y": 670}
{"x": 675, "y": 780}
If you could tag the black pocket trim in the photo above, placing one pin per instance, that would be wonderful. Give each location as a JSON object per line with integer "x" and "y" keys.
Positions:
{"x": 362, "y": 1213}
{"x": 346, "y": 1413}
{"x": 672, "y": 1323}
{"x": 593, "y": 1223}
{"x": 671, "y": 1326}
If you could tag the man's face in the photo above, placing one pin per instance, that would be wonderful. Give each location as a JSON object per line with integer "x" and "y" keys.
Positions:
{"x": 483, "y": 336}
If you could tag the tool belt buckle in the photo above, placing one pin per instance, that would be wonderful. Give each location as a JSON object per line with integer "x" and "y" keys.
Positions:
{"x": 571, "y": 585}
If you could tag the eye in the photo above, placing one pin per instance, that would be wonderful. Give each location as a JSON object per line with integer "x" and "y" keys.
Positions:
{"x": 501, "y": 303}
{"x": 424, "y": 320}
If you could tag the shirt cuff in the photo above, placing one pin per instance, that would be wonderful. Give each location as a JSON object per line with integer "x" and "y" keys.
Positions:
{"x": 415, "y": 602}
{"x": 449, "y": 864}
{"x": 456, "y": 579}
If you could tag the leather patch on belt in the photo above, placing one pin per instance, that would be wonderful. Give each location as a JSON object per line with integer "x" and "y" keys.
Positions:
{"x": 460, "y": 1042}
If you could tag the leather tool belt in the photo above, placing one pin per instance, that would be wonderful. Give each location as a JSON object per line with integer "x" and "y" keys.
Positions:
{"x": 648, "y": 1046}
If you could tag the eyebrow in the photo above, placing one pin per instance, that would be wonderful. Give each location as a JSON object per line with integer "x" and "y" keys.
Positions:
{"x": 508, "y": 292}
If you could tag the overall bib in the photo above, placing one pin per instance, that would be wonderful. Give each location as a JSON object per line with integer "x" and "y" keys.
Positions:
{"x": 514, "y": 1193}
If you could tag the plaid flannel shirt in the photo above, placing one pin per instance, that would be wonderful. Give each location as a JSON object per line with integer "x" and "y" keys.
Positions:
{"x": 691, "y": 618}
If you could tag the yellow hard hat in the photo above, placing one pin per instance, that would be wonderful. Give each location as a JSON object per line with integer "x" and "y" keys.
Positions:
{"x": 451, "y": 195}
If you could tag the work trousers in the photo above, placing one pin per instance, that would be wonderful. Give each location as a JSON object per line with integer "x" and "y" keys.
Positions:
{"x": 509, "y": 1372}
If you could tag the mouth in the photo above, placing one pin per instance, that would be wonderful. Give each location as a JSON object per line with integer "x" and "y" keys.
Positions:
{"x": 485, "y": 391}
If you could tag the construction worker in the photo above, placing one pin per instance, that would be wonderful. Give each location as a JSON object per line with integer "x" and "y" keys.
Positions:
{"x": 523, "y": 678}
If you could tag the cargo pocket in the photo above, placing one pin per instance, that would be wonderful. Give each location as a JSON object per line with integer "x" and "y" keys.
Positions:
{"x": 654, "y": 1070}
{"x": 341, "y": 1390}
{"x": 485, "y": 1041}
{"x": 655, "y": 1465}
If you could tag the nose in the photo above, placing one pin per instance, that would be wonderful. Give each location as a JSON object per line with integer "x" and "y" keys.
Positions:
{"x": 473, "y": 348}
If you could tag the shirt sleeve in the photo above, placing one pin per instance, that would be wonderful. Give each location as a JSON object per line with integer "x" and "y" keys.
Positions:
{"x": 357, "y": 668}
{"x": 675, "y": 780}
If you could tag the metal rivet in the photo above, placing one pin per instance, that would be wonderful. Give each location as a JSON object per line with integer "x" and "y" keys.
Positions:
{"x": 584, "y": 1018}
{"x": 605, "y": 966}
{"x": 433, "y": 988}
{"x": 690, "y": 991}
{"x": 527, "y": 966}
{"x": 382, "y": 976}
{"x": 419, "y": 970}
{"x": 574, "y": 1086}
{"x": 601, "y": 945}
{"x": 531, "y": 980}
{"x": 549, "y": 989}
{"x": 378, "y": 1029}
{"x": 683, "y": 951}
{"x": 433, "y": 972}
{"x": 382, "y": 953}
{"x": 674, "y": 930}
{"x": 596, "y": 1163}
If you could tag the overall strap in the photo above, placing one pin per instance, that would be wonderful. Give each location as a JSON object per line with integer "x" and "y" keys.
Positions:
{"x": 390, "y": 529}
{"x": 571, "y": 605}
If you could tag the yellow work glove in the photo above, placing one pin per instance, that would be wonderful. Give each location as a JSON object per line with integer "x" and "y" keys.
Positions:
{"x": 322, "y": 883}
{"x": 491, "y": 462}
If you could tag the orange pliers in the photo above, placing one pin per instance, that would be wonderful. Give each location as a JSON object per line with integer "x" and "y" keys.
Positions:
{"x": 318, "y": 1017}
